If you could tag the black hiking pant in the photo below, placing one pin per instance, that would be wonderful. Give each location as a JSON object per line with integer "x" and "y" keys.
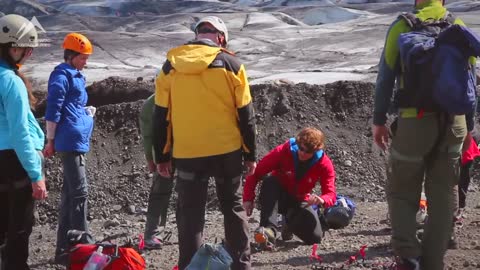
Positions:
{"x": 463, "y": 184}
{"x": 301, "y": 219}
{"x": 16, "y": 212}
{"x": 192, "y": 189}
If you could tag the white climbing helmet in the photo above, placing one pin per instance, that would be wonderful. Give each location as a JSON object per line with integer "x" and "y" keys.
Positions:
{"x": 215, "y": 22}
{"x": 18, "y": 30}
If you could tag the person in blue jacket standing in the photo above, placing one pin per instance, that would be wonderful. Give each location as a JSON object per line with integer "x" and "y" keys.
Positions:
{"x": 69, "y": 128}
{"x": 21, "y": 140}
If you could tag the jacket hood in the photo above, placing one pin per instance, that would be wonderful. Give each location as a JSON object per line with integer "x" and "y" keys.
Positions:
{"x": 194, "y": 57}
{"x": 294, "y": 149}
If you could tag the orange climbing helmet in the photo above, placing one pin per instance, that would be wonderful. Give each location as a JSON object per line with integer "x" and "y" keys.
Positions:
{"x": 77, "y": 43}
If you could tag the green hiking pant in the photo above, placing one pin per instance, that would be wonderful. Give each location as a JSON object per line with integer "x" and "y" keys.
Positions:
{"x": 158, "y": 202}
{"x": 420, "y": 152}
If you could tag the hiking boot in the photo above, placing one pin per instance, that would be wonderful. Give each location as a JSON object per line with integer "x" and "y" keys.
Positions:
{"x": 453, "y": 243}
{"x": 286, "y": 233}
{"x": 420, "y": 235}
{"x": 459, "y": 216}
{"x": 407, "y": 264}
{"x": 153, "y": 243}
{"x": 61, "y": 259}
{"x": 264, "y": 236}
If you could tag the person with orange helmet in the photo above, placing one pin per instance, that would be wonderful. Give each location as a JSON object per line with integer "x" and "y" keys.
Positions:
{"x": 69, "y": 128}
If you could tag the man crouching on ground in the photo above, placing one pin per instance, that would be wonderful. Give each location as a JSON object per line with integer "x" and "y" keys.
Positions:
{"x": 295, "y": 167}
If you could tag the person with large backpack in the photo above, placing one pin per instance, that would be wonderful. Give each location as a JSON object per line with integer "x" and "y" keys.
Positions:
{"x": 69, "y": 127}
{"x": 427, "y": 54}
{"x": 22, "y": 180}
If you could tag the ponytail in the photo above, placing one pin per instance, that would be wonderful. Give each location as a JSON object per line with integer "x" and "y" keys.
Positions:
{"x": 5, "y": 55}
{"x": 32, "y": 100}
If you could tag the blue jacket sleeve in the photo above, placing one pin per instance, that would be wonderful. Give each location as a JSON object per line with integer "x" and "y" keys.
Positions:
{"x": 17, "y": 109}
{"x": 387, "y": 72}
{"x": 57, "y": 89}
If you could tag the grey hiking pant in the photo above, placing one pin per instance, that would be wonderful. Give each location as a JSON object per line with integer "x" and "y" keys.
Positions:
{"x": 415, "y": 157}
{"x": 158, "y": 201}
{"x": 74, "y": 198}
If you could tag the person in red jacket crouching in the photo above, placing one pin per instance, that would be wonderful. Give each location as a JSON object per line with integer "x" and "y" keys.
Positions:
{"x": 290, "y": 172}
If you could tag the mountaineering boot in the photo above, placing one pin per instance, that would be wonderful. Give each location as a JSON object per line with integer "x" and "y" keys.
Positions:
{"x": 153, "y": 243}
{"x": 286, "y": 233}
{"x": 407, "y": 264}
{"x": 453, "y": 243}
{"x": 61, "y": 259}
{"x": 264, "y": 236}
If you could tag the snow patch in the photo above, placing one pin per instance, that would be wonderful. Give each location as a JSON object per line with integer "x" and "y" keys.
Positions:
{"x": 334, "y": 14}
{"x": 463, "y": 6}
{"x": 312, "y": 77}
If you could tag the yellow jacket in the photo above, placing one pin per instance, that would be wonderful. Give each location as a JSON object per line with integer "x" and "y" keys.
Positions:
{"x": 203, "y": 104}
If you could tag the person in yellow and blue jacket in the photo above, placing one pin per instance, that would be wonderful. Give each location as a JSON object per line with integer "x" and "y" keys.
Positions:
{"x": 204, "y": 115}
{"x": 416, "y": 157}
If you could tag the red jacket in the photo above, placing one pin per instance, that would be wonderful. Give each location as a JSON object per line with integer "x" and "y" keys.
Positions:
{"x": 471, "y": 153}
{"x": 281, "y": 162}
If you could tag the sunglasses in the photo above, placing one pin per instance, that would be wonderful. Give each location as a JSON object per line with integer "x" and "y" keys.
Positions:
{"x": 207, "y": 30}
{"x": 305, "y": 150}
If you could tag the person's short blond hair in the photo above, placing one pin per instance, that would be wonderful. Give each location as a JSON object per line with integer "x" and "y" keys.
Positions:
{"x": 311, "y": 139}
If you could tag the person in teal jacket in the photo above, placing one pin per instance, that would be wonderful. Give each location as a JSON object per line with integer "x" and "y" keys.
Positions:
{"x": 21, "y": 139}
{"x": 69, "y": 129}
{"x": 161, "y": 189}
{"x": 416, "y": 157}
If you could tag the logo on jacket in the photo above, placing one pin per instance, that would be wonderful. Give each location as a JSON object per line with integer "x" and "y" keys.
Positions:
{"x": 217, "y": 63}
{"x": 26, "y": 27}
